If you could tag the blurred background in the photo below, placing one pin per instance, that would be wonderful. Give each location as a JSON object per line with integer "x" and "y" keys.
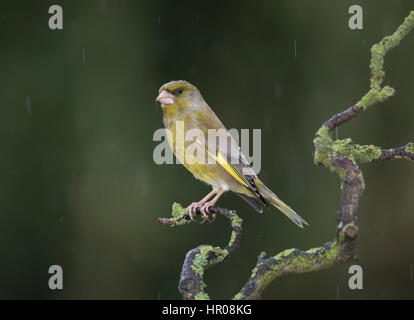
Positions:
{"x": 79, "y": 187}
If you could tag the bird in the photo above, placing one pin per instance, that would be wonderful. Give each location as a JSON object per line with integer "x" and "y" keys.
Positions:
{"x": 221, "y": 164}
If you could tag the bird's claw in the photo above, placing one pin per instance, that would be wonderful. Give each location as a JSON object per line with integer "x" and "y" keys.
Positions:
{"x": 204, "y": 210}
{"x": 192, "y": 208}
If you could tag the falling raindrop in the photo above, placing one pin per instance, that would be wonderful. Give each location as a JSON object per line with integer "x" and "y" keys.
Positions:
{"x": 159, "y": 19}
{"x": 294, "y": 44}
{"x": 363, "y": 41}
{"x": 28, "y": 104}
{"x": 278, "y": 90}
{"x": 83, "y": 55}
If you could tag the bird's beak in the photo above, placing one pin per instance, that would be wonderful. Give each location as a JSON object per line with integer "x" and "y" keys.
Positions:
{"x": 166, "y": 98}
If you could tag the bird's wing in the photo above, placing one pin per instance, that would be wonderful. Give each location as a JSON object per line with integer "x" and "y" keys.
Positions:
{"x": 222, "y": 147}
{"x": 232, "y": 159}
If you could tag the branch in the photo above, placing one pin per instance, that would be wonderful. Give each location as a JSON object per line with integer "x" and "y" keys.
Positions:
{"x": 343, "y": 248}
{"x": 197, "y": 260}
{"x": 406, "y": 152}
{"x": 341, "y": 157}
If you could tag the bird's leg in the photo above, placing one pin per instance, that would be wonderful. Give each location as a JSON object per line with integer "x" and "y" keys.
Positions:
{"x": 194, "y": 205}
{"x": 209, "y": 204}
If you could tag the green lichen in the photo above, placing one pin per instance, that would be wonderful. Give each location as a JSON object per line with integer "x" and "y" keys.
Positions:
{"x": 236, "y": 221}
{"x": 368, "y": 99}
{"x": 326, "y": 150}
{"x": 239, "y": 296}
{"x": 341, "y": 236}
{"x": 233, "y": 238}
{"x": 255, "y": 269}
{"x": 220, "y": 254}
{"x": 378, "y": 51}
{"x": 297, "y": 261}
{"x": 410, "y": 148}
{"x": 200, "y": 261}
{"x": 284, "y": 253}
{"x": 366, "y": 153}
{"x": 323, "y": 147}
{"x": 207, "y": 254}
{"x": 202, "y": 296}
{"x": 177, "y": 211}
{"x": 262, "y": 255}
{"x": 355, "y": 152}
{"x": 333, "y": 252}
{"x": 313, "y": 250}
{"x": 385, "y": 93}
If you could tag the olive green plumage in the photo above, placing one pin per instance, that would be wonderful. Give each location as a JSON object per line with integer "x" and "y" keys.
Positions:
{"x": 184, "y": 109}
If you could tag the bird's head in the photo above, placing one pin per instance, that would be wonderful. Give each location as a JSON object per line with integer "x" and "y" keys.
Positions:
{"x": 179, "y": 93}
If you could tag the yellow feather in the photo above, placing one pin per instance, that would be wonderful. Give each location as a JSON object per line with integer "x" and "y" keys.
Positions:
{"x": 226, "y": 165}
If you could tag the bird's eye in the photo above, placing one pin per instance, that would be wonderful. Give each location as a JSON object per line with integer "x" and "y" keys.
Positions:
{"x": 178, "y": 91}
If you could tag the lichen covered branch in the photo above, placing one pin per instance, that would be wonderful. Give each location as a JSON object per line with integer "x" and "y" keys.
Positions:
{"x": 341, "y": 157}
{"x": 343, "y": 248}
{"x": 406, "y": 152}
{"x": 376, "y": 93}
{"x": 197, "y": 260}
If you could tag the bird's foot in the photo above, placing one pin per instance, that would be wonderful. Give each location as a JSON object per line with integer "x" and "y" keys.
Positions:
{"x": 192, "y": 208}
{"x": 204, "y": 206}
{"x": 205, "y": 211}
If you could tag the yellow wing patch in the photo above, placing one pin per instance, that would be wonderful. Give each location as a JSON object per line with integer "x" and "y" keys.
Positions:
{"x": 236, "y": 174}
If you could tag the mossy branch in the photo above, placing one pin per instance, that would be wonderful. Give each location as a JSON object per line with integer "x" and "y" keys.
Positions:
{"x": 197, "y": 260}
{"x": 343, "y": 248}
{"x": 341, "y": 157}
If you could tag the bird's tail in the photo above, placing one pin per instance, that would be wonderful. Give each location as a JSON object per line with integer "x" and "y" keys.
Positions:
{"x": 275, "y": 201}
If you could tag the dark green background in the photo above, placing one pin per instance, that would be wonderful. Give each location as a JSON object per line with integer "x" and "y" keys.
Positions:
{"x": 79, "y": 187}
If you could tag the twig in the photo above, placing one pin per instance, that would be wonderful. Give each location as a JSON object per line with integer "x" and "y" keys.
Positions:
{"x": 406, "y": 152}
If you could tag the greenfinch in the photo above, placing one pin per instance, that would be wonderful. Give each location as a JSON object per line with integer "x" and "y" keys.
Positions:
{"x": 222, "y": 165}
